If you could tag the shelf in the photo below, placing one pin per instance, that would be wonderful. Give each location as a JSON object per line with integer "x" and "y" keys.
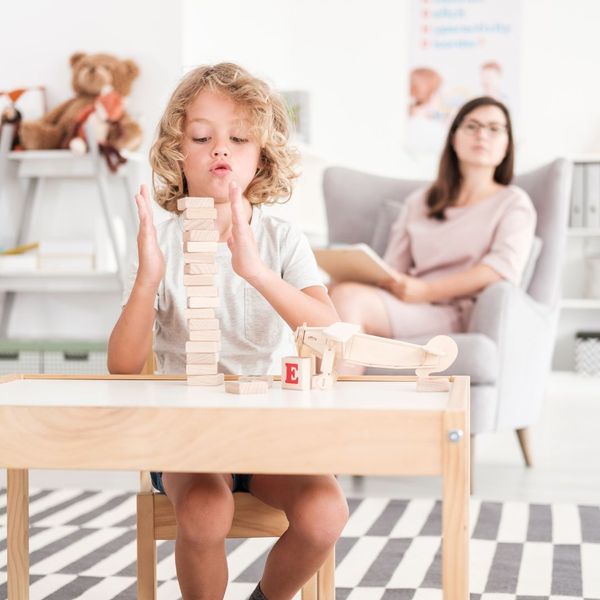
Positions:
{"x": 580, "y": 303}
{"x": 54, "y": 164}
{"x": 585, "y": 158}
{"x": 583, "y": 232}
{"x": 60, "y": 282}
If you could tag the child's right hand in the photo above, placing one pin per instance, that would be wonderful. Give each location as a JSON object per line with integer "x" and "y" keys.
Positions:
{"x": 151, "y": 268}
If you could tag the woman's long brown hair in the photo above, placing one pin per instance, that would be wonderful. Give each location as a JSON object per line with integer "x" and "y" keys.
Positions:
{"x": 445, "y": 189}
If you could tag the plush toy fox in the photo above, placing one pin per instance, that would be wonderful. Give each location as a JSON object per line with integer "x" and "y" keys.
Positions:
{"x": 102, "y": 120}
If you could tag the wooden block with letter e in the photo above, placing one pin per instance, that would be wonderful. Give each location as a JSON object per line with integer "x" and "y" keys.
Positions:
{"x": 296, "y": 372}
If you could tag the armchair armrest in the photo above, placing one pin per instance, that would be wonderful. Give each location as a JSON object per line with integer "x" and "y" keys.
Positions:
{"x": 524, "y": 331}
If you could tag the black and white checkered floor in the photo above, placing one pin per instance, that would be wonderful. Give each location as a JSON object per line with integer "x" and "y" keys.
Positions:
{"x": 82, "y": 545}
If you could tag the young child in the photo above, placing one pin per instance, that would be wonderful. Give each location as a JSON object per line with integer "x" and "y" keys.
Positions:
{"x": 224, "y": 134}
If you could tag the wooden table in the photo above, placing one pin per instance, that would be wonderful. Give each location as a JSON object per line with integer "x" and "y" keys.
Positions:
{"x": 363, "y": 426}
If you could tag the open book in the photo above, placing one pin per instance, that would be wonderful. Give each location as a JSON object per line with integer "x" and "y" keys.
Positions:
{"x": 353, "y": 262}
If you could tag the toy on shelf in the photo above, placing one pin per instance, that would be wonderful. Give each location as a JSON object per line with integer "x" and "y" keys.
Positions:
{"x": 99, "y": 122}
{"x": 344, "y": 341}
{"x": 90, "y": 74}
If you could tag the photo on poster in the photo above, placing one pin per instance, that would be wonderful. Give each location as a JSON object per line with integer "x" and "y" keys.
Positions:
{"x": 459, "y": 50}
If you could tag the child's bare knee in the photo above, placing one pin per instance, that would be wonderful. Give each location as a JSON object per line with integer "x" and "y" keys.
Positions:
{"x": 204, "y": 515}
{"x": 320, "y": 520}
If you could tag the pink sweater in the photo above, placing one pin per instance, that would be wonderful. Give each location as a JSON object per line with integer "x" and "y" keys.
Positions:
{"x": 497, "y": 231}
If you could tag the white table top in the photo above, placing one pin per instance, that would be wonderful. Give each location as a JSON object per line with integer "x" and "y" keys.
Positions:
{"x": 346, "y": 395}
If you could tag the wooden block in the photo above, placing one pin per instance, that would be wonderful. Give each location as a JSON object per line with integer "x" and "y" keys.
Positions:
{"x": 200, "y": 246}
{"x": 206, "y": 291}
{"x": 203, "y": 324}
{"x": 201, "y": 358}
{"x": 433, "y": 384}
{"x": 209, "y": 279}
{"x": 296, "y": 372}
{"x": 199, "y": 313}
{"x": 189, "y": 224}
{"x": 201, "y": 235}
{"x": 205, "y": 335}
{"x": 268, "y": 379}
{"x": 200, "y": 268}
{"x": 199, "y": 213}
{"x": 195, "y": 202}
{"x": 246, "y": 387}
{"x": 199, "y": 257}
{"x": 194, "y": 347}
{"x": 208, "y": 369}
{"x": 217, "y": 379}
{"x": 322, "y": 382}
{"x": 202, "y": 302}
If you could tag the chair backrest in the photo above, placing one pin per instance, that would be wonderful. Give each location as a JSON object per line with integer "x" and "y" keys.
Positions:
{"x": 354, "y": 200}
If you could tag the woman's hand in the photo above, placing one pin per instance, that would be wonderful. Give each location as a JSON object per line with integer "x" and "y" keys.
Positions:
{"x": 151, "y": 268}
{"x": 245, "y": 258}
{"x": 409, "y": 289}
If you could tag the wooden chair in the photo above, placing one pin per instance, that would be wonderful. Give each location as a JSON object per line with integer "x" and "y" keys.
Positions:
{"x": 252, "y": 518}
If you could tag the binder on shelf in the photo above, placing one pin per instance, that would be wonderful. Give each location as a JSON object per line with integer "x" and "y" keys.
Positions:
{"x": 591, "y": 205}
{"x": 577, "y": 196}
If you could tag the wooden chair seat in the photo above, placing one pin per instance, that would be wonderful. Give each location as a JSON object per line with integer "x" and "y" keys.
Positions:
{"x": 252, "y": 518}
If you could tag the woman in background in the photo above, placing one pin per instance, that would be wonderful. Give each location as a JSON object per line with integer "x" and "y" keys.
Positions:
{"x": 467, "y": 230}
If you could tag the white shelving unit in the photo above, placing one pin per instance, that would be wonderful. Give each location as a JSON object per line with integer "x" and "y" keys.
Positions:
{"x": 578, "y": 311}
{"x": 35, "y": 168}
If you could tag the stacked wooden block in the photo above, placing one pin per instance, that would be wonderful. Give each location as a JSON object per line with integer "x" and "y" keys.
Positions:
{"x": 200, "y": 238}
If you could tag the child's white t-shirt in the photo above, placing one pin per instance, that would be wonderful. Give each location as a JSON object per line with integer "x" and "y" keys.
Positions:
{"x": 254, "y": 337}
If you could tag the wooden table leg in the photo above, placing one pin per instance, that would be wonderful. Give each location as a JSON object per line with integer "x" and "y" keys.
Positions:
{"x": 455, "y": 519}
{"x": 17, "y": 517}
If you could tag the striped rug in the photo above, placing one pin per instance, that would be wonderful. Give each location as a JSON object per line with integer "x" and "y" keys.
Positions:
{"x": 82, "y": 545}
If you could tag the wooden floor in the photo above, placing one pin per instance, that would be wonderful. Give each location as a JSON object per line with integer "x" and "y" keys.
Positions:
{"x": 565, "y": 445}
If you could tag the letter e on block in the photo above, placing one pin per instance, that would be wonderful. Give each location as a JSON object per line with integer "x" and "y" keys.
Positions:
{"x": 296, "y": 372}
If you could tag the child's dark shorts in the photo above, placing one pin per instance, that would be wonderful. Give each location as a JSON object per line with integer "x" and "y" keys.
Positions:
{"x": 241, "y": 482}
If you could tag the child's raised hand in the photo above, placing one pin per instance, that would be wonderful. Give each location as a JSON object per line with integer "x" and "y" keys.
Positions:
{"x": 151, "y": 260}
{"x": 245, "y": 258}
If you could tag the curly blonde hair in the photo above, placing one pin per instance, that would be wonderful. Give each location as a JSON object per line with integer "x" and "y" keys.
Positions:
{"x": 270, "y": 125}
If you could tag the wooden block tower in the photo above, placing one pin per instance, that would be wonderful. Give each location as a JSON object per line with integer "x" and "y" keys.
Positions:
{"x": 200, "y": 238}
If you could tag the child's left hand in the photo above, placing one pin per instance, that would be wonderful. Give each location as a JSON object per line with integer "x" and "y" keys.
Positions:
{"x": 245, "y": 259}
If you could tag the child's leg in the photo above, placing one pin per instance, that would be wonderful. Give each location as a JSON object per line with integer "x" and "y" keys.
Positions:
{"x": 317, "y": 512}
{"x": 363, "y": 305}
{"x": 204, "y": 508}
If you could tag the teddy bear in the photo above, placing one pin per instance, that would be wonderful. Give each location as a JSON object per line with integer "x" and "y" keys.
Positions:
{"x": 91, "y": 73}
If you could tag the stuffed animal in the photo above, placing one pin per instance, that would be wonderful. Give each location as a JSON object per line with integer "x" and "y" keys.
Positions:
{"x": 91, "y": 74}
{"x": 102, "y": 121}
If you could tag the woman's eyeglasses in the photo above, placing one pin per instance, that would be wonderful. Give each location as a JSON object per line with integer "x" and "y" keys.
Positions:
{"x": 472, "y": 127}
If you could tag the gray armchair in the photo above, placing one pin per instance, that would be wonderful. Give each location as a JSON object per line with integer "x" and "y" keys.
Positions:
{"x": 508, "y": 347}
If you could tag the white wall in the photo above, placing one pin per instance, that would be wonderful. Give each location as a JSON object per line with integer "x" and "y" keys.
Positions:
{"x": 350, "y": 55}
{"x": 352, "y": 58}
{"x": 147, "y": 31}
